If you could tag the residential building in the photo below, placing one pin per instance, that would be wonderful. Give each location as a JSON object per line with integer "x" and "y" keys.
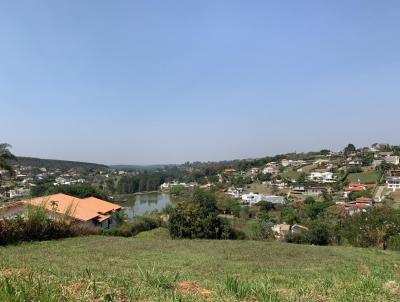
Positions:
{"x": 285, "y": 162}
{"x": 281, "y": 230}
{"x": 273, "y": 199}
{"x": 314, "y": 190}
{"x": 251, "y": 198}
{"x": 270, "y": 170}
{"x": 393, "y": 182}
{"x": 377, "y": 162}
{"x": 355, "y": 188}
{"x": 298, "y": 190}
{"x": 322, "y": 177}
{"x": 89, "y": 210}
{"x": 297, "y": 228}
{"x": 394, "y": 160}
{"x": 254, "y": 198}
{"x": 254, "y": 171}
{"x": 230, "y": 171}
{"x": 235, "y": 192}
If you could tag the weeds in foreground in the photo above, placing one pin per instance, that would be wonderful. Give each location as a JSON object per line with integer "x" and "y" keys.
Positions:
{"x": 17, "y": 289}
{"x": 158, "y": 279}
{"x": 242, "y": 289}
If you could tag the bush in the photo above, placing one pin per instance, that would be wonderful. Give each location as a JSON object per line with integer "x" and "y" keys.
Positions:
{"x": 84, "y": 229}
{"x": 319, "y": 234}
{"x": 234, "y": 234}
{"x": 394, "y": 243}
{"x": 299, "y": 238}
{"x": 134, "y": 227}
{"x": 197, "y": 219}
{"x": 37, "y": 225}
{"x": 375, "y": 228}
{"x": 259, "y": 230}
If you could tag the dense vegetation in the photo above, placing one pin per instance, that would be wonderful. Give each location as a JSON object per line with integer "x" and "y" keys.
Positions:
{"x": 146, "y": 181}
{"x": 198, "y": 218}
{"x": 79, "y": 190}
{"x": 39, "y": 225}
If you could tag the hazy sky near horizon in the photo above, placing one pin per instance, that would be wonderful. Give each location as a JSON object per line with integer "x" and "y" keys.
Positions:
{"x": 142, "y": 82}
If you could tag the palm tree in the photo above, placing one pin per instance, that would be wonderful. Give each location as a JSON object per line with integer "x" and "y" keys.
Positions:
{"x": 5, "y": 155}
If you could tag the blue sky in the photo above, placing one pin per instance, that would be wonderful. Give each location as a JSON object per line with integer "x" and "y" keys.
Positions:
{"x": 145, "y": 82}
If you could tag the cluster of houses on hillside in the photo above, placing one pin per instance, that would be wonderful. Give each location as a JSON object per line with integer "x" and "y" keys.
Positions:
{"x": 27, "y": 177}
{"x": 317, "y": 176}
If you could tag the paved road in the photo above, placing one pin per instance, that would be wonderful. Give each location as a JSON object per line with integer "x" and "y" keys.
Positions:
{"x": 378, "y": 194}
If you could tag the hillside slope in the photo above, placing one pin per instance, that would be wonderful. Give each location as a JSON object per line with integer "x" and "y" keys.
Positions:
{"x": 55, "y": 163}
{"x": 125, "y": 269}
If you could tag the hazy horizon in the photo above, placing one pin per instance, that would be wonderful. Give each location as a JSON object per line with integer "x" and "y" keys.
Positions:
{"x": 165, "y": 82}
{"x": 340, "y": 148}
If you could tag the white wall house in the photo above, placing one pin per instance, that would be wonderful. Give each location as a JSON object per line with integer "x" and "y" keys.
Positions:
{"x": 393, "y": 183}
{"x": 394, "y": 160}
{"x": 270, "y": 170}
{"x": 322, "y": 177}
{"x": 251, "y": 198}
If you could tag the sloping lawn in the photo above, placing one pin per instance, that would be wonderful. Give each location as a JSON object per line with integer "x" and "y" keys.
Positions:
{"x": 369, "y": 177}
{"x": 100, "y": 268}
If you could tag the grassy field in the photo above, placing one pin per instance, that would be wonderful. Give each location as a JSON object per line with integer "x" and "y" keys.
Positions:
{"x": 143, "y": 269}
{"x": 370, "y": 177}
{"x": 292, "y": 174}
{"x": 260, "y": 188}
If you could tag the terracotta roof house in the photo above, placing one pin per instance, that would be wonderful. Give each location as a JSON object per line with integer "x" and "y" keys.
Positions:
{"x": 357, "y": 187}
{"x": 230, "y": 170}
{"x": 88, "y": 210}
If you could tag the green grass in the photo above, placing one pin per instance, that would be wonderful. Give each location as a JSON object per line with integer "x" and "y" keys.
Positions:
{"x": 260, "y": 188}
{"x": 158, "y": 233}
{"x": 98, "y": 268}
{"x": 369, "y": 177}
{"x": 292, "y": 174}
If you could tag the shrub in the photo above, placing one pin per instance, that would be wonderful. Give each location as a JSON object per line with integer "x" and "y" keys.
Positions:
{"x": 319, "y": 233}
{"x": 372, "y": 229}
{"x": 299, "y": 238}
{"x": 309, "y": 200}
{"x": 394, "y": 243}
{"x": 177, "y": 190}
{"x": 259, "y": 230}
{"x": 84, "y": 229}
{"x": 313, "y": 210}
{"x": 158, "y": 279}
{"x": 134, "y": 227}
{"x": 233, "y": 234}
{"x": 39, "y": 225}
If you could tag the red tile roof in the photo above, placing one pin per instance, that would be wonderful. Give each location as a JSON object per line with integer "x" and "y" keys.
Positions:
{"x": 80, "y": 209}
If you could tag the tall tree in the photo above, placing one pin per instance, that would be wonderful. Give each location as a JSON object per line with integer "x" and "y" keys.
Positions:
{"x": 349, "y": 149}
{"x": 5, "y": 156}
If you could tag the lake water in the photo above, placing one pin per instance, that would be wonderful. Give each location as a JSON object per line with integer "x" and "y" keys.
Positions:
{"x": 147, "y": 203}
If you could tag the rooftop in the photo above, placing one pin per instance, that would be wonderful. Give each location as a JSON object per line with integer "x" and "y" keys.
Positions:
{"x": 80, "y": 209}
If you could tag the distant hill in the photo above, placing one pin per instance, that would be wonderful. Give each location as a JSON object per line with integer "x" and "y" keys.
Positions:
{"x": 139, "y": 167}
{"x": 55, "y": 163}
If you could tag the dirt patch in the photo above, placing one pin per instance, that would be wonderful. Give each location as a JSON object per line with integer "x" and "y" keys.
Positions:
{"x": 392, "y": 287}
{"x": 287, "y": 292}
{"x": 191, "y": 287}
{"x": 365, "y": 270}
{"x": 18, "y": 272}
{"x": 74, "y": 288}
